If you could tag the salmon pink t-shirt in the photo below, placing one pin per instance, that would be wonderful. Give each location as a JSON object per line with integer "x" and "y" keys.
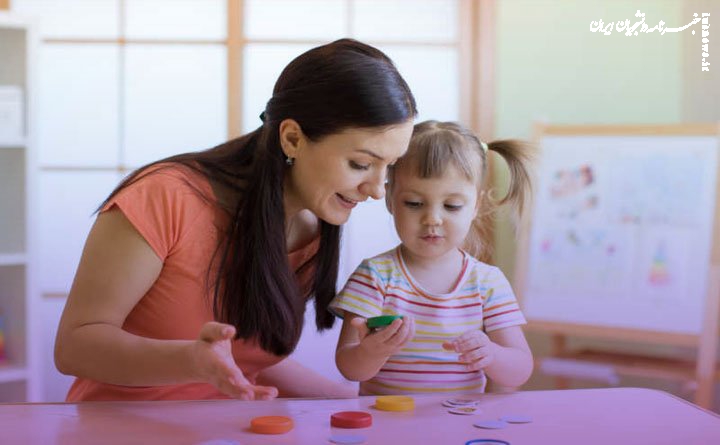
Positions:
{"x": 168, "y": 209}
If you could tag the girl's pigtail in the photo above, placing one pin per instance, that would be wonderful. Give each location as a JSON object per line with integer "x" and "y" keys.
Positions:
{"x": 518, "y": 156}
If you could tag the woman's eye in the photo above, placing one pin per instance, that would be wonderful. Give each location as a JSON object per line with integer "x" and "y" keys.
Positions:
{"x": 356, "y": 166}
{"x": 413, "y": 204}
{"x": 453, "y": 207}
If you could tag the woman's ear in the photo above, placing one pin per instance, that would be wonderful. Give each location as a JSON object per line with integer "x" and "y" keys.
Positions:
{"x": 292, "y": 137}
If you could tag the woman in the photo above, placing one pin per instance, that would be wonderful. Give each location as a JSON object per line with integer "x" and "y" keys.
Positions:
{"x": 194, "y": 279}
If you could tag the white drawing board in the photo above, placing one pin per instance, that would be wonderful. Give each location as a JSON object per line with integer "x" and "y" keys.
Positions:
{"x": 621, "y": 231}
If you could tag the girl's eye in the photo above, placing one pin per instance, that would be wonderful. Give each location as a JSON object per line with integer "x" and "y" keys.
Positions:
{"x": 452, "y": 207}
{"x": 413, "y": 204}
{"x": 354, "y": 165}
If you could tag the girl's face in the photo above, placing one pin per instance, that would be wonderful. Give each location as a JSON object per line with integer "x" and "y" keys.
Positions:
{"x": 432, "y": 215}
{"x": 330, "y": 176}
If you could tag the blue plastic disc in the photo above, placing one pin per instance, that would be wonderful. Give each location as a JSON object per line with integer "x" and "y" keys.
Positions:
{"x": 347, "y": 439}
{"x": 487, "y": 442}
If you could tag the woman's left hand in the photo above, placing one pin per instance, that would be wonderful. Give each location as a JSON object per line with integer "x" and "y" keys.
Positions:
{"x": 476, "y": 349}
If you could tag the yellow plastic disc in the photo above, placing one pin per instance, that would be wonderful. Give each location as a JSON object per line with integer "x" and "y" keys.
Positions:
{"x": 395, "y": 403}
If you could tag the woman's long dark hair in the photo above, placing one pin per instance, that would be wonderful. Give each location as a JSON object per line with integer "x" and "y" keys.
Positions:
{"x": 341, "y": 85}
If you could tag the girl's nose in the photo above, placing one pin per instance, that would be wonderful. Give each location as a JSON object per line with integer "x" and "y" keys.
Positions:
{"x": 432, "y": 218}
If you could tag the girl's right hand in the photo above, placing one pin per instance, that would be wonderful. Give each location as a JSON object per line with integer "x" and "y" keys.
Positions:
{"x": 387, "y": 341}
{"x": 214, "y": 363}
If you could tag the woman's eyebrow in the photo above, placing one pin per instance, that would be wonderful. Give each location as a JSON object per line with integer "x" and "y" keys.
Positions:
{"x": 371, "y": 153}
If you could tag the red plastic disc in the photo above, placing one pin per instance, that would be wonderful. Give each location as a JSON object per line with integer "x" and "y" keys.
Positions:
{"x": 351, "y": 419}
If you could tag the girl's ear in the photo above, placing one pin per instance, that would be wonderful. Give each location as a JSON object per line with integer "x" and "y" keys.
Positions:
{"x": 292, "y": 138}
{"x": 388, "y": 198}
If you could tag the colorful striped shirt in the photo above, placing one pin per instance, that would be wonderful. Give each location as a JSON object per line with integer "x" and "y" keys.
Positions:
{"x": 481, "y": 299}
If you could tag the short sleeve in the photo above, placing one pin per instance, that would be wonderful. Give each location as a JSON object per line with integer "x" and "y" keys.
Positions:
{"x": 162, "y": 205}
{"x": 501, "y": 309}
{"x": 362, "y": 294}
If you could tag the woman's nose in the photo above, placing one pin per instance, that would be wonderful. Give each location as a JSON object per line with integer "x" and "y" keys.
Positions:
{"x": 375, "y": 187}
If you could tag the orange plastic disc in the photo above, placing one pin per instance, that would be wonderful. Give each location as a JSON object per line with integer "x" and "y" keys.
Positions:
{"x": 271, "y": 425}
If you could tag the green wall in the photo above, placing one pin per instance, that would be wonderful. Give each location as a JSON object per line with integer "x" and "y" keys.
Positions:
{"x": 551, "y": 68}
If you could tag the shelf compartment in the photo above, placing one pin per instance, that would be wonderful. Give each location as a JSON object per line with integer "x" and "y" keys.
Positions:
{"x": 12, "y": 373}
{"x": 13, "y": 310}
{"x": 12, "y": 200}
{"x": 9, "y": 145}
{"x": 13, "y": 259}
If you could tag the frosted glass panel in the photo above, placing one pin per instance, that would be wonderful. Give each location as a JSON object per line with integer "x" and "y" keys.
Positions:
{"x": 176, "y": 19}
{"x": 55, "y": 385}
{"x": 369, "y": 231}
{"x": 294, "y": 19}
{"x": 65, "y": 209}
{"x": 312, "y": 350}
{"x": 72, "y": 18}
{"x": 175, "y": 100}
{"x": 262, "y": 66}
{"x": 78, "y": 105}
{"x": 403, "y": 20}
{"x": 433, "y": 77}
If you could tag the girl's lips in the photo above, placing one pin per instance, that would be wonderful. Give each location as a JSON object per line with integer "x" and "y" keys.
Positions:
{"x": 431, "y": 238}
{"x": 345, "y": 202}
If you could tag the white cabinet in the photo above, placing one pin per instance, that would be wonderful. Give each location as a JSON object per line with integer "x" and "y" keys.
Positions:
{"x": 16, "y": 163}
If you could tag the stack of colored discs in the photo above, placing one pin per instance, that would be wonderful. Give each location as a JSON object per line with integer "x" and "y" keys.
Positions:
{"x": 271, "y": 425}
{"x": 351, "y": 419}
{"x": 395, "y": 403}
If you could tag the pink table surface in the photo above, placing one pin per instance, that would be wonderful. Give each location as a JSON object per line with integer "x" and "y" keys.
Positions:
{"x": 589, "y": 416}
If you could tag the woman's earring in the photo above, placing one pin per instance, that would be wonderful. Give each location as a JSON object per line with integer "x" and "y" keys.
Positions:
{"x": 289, "y": 161}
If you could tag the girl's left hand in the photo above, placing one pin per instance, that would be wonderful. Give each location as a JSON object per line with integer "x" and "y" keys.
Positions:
{"x": 476, "y": 349}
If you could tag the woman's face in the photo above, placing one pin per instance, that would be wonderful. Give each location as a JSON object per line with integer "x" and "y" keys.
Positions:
{"x": 330, "y": 176}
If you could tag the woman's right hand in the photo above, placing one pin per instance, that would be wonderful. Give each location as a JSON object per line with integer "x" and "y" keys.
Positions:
{"x": 387, "y": 341}
{"x": 214, "y": 363}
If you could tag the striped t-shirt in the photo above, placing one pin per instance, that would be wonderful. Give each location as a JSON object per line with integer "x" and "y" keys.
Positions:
{"x": 481, "y": 299}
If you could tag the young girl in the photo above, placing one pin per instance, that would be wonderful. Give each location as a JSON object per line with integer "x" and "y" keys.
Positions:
{"x": 461, "y": 320}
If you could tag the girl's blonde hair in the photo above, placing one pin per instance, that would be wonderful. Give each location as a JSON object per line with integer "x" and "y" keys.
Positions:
{"x": 434, "y": 145}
